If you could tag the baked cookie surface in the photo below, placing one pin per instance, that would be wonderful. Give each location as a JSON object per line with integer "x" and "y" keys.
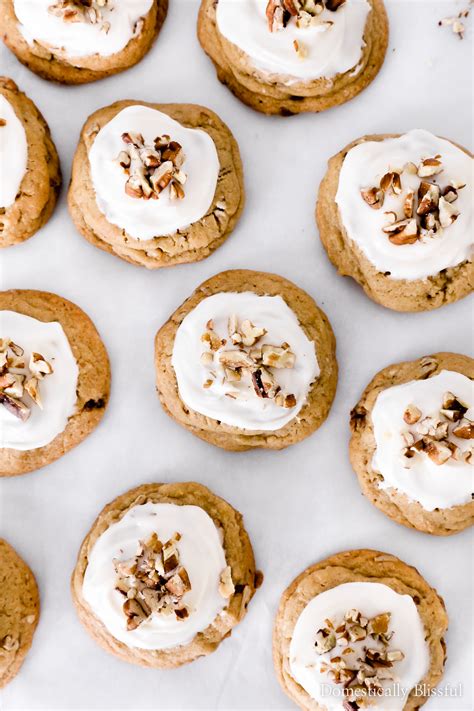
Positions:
{"x": 420, "y": 473}
{"x": 254, "y": 355}
{"x": 210, "y": 553}
{"x": 156, "y": 221}
{"x": 30, "y": 188}
{"x": 97, "y": 39}
{"x": 19, "y": 611}
{"x": 55, "y": 379}
{"x": 374, "y": 601}
{"x": 279, "y": 58}
{"x": 408, "y": 243}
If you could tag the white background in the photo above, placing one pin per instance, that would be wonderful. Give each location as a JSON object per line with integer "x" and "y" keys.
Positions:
{"x": 301, "y": 504}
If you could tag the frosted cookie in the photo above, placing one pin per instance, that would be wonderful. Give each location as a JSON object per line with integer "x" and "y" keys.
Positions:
{"x": 359, "y": 630}
{"x": 54, "y": 379}
{"x": 164, "y": 575}
{"x": 156, "y": 184}
{"x": 79, "y": 41}
{"x": 30, "y": 176}
{"x": 396, "y": 214}
{"x": 412, "y": 442}
{"x": 290, "y": 56}
{"x": 19, "y": 612}
{"x": 249, "y": 360}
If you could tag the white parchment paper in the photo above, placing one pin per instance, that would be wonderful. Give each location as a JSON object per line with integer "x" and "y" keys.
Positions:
{"x": 300, "y": 504}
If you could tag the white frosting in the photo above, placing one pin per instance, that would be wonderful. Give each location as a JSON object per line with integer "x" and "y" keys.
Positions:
{"x": 145, "y": 219}
{"x": 80, "y": 39}
{"x": 248, "y": 411}
{"x": 371, "y": 599}
{"x": 201, "y": 554}
{"x": 363, "y": 167}
{"x": 13, "y": 153}
{"x": 58, "y": 390}
{"x": 432, "y": 485}
{"x": 330, "y": 50}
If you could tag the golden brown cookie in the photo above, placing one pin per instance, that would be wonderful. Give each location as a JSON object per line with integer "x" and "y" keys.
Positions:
{"x": 360, "y": 566}
{"x": 57, "y": 66}
{"x": 93, "y": 382}
{"x": 317, "y": 330}
{"x": 241, "y": 580}
{"x": 285, "y": 96}
{"x": 393, "y": 502}
{"x": 189, "y": 244}
{"x": 446, "y": 286}
{"x": 19, "y": 611}
{"x": 39, "y": 187}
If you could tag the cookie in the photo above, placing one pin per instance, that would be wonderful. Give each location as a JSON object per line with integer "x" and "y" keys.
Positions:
{"x": 19, "y": 611}
{"x": 79, "y": 41}
{"x": 395, "y": 213}
{"x": 249, "y": 360}
{"x": 164, "y": 575}
{"x": 411, "y": 444}
{"x": 288, "y": 57}
{"x": 358, "y": 628}
{"x": 29, "y": 188}
{"x": 54, "y": 379}
{"x": 156, "y": 184}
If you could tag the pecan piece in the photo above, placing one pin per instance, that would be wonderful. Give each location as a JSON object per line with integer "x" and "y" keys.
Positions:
{"x": 373, "y": 197}
{"x": 15, "y": 407}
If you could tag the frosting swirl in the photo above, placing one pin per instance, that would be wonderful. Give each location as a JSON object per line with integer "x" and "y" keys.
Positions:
{"x": 200, "y": 552}
{"x": 145, "y": 219}
{"x": 366, "y": 164}
{"x": 207, "y": 387}
{"x": 38, "y": 23}
{"x": 13, "y": 153}
{"x": 433, "y": 485}
{"x": 332, "y": 45}
{"x": 58, "y": 390}
{"x": 308, "y": 667}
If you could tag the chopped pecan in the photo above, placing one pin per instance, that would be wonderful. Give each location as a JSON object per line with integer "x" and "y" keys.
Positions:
{"x": 154, "y": 582}
{"x": 374, "y": 197}
{"x": 402, "y": 232}
{"x": 429, "y": 167}
{"x": 150, "y": 169}
{"x": 15, "y": 407}
{"x": 278, "y": 356}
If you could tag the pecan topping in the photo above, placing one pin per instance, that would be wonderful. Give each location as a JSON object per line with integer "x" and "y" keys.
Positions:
{"x": 432, "y": 436}
{"x": 247, "y": 362}
{"x": 426, "y": 212}
{"x": 151, "y": 169}
{"x": 17, "y": 380}
{"x": 361, "y": 656}
{"x": 456, "y": 23}
{"x": 87, "y": 11}
{"x": 305, "y": 13}
{"x": 153, "y": 582}
{"x": 3, "y": 122}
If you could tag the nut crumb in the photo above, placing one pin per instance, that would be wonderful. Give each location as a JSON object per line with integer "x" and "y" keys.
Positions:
{"x": 226, "y": 586}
